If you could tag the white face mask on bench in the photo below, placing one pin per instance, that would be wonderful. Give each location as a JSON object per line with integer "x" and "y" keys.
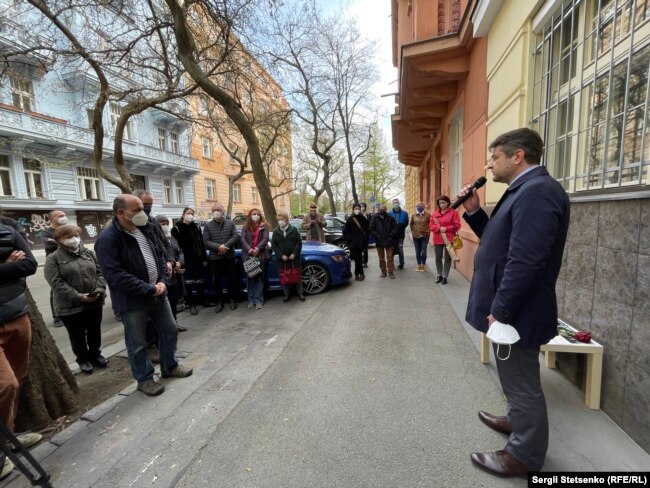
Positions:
{"x": 503, "y": 334}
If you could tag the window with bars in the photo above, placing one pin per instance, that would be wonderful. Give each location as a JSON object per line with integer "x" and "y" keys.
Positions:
{"x": 22, "y": 94}
{"x": 236, "y": 192}
{"x": 5, "y": 176}
{"x": 162, "y": 139}
{"x": 173, "y": 142}
{"x": 33, "y": 178}
{"x": 206, "y": 144}
{"x": 116, "y": 111}
{"x": 210, "y": 189}
{"x": 89, "y": 184}
{"x": 167, "y": 191}
{"x": 590, "y": 94}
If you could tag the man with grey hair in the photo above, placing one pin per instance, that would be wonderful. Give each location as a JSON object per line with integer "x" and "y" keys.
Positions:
{"x": 133, "y": 262}
{"x": 220, "y": 237}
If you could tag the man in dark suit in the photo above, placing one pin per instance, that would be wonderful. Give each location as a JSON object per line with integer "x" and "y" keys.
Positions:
{"x": 515, "y": 270}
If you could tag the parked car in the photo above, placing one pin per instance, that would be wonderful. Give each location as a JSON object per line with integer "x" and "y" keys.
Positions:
{"x": 333, "y": 232}
{"x": 323, "y": 266}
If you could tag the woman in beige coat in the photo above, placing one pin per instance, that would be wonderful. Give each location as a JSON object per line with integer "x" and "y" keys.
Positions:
{"x": 419, "y": 224}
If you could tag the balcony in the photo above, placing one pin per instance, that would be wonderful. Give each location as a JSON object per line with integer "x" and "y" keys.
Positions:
{"x": 33, "y": 128}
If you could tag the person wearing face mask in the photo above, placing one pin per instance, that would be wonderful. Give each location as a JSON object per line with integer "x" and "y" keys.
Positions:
{"x": 134, "y": 264}
{"x": 220, "y": 238}
{"x": 79, "y": 290}
{"x": 419, "y": 225}
{"x": 287, "y": 245}
{"x": 176, "y": 286}
{"x": 445, "y": 220}
{"x": 254, "y": 241}
{"x": 384, "y": 228}
{"x": 355, "y": 233}
{"x": 190, "y": 240}
{"x": 314, "y": 223}
{"x": 57, "y": 219}
{"x": 402, "y": 219}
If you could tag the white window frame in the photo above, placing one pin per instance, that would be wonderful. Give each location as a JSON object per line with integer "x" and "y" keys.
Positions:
{"x": 179, "y": 191}
{"x": 30, "y": 179}
{"x": 173, "y": 143}
{"x": 89, "y": 174}
{"x": 206, "y": 147}
{"x": 22, "y": 93}
{"x": 168, "y": 193}
{"x": 210, "y": 189}
{"x": 254, "y": 194}
{"x": 236, "y": 192}
{"x": 115, "y": 113}
{"x": 162, "y": 139}
{"x": 6, "y": 169}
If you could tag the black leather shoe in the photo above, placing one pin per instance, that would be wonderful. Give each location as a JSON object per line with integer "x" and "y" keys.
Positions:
{"x": 100, "y": 361}
{"x": 233, "y": 305}
{"x": 444, "y": 281}
{"x": 219, "y": 307}
{"x": 499, "y": 424}
{"x": 301, "y": 298}
{"x": 401, "y": 266}
{"x": 193, "y": 310}
{"x": 286, "y": 299}
{"x": 438, "y": 279}
{"x": 86, "y": 367}
{"x": 500, "y": 463}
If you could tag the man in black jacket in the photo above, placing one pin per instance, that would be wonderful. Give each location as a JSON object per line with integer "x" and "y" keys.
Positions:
{"x": 384, "y": 228}
{"x": 134, "y": 264}
{"x": 16, "y": 263}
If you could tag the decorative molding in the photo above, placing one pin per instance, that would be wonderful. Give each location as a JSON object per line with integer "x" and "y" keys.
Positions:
{"x": 483, "y": 16}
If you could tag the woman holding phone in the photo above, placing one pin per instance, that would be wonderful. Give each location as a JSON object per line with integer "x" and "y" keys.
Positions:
{"x": 78, "y": 290}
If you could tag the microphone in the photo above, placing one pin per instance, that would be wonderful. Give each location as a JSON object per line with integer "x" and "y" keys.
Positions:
{"x": 477, "y": 184}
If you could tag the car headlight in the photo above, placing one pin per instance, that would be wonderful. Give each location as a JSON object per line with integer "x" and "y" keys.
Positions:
{"x": 339, "y": 258}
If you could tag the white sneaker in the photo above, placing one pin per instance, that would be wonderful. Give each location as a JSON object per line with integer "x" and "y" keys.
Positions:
{"x": 250, "y": 306}
{"x": 258, "y": 306}
{"x": 28, "y": 439}
{"x": 7, "y": 468}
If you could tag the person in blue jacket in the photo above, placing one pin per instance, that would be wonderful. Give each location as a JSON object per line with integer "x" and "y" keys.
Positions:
{"x": 402, "y": 219}
{"x": 515, "y": 270}
{"x": 134, "y": 264}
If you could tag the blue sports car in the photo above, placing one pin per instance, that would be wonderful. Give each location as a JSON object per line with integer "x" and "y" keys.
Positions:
{"x": 323, "y": 266}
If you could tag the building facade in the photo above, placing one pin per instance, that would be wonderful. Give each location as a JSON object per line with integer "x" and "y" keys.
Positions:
{"x": 577, "y": 71}
{"x": 46, "y": 141}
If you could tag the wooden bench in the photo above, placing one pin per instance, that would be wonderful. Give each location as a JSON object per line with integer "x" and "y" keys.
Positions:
{"x": 593, "y": 350}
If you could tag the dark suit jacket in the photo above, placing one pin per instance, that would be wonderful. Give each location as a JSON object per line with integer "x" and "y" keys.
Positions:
{"x": 519, "y": 258}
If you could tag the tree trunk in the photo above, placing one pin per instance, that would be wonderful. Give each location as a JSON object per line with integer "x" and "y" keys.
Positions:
{"x": 49, "y": 391}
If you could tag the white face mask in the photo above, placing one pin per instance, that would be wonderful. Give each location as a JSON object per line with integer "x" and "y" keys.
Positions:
{"x": 189, "y": 218}
{"x": 71, "y": 242}
{"x": 503, "y": 334}
{"x": 165, "y": 228}
{"x": 255, "y": 218}
{"x": 357, "y": 211}
{"x": 282, "y": 224}
{"x": 62, "y": 220}
{"x": 216, "y": 215}
{"x": 140, "y": 219}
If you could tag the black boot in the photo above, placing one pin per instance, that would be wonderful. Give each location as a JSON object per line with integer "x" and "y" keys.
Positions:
{"x": 219, "y": 307}
{"x": 438, "y": 279}
{"x": 233, "y": 305}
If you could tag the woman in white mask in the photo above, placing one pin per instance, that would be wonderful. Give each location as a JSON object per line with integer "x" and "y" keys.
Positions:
{"x": 78, "y": 289}
{"x": 187, "y": 233}
{"x": 287, "y": 245}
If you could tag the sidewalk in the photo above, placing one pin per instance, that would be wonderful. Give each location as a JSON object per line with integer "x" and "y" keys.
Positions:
{"x": 371, "y": 384}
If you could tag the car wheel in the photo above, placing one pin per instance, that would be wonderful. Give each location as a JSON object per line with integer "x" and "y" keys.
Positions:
{"x": 315, "y": 278}
{"x": 343, "y": 245}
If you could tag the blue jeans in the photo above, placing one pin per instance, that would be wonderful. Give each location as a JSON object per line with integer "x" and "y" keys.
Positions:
{"x": 135, "y": 326}
{"x": 255, "y": 289}
{"x": 421, "y": 244}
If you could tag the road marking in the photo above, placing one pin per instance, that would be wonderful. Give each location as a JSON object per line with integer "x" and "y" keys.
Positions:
{"x": 271, "y": 340}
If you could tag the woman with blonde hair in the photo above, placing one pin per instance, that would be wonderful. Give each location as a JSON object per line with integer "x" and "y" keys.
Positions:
{"x": 254, "y": 241}
{"x": 419, "y": 225}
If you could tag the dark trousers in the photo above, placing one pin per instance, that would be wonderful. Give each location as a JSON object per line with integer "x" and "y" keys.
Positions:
{"x": 193, "y": 279}
{"x": 224, "y": 268}
{"x": 440, "y": 251}
{"x": 356, "y": 255}
{"x": 365, "y": 255}
{"x": 522, "y": 386}
{"x": 84, "y": 331}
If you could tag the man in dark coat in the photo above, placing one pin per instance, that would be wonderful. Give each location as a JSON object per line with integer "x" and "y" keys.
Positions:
{"x": 384, "y": 228}
{"x": 515, "y": 270}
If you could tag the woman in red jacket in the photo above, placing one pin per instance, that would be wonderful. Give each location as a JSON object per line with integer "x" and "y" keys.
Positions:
{"x": 446, "y": 220}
